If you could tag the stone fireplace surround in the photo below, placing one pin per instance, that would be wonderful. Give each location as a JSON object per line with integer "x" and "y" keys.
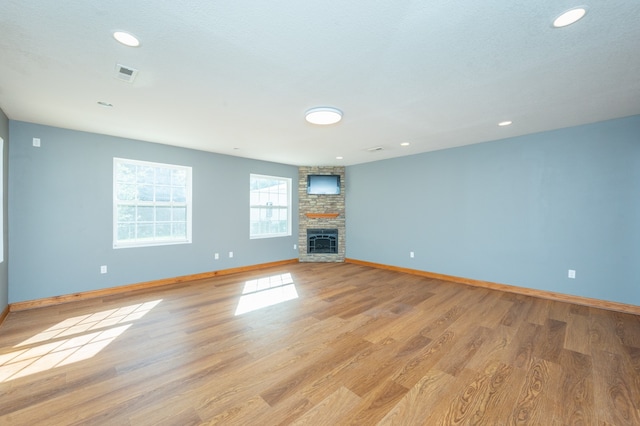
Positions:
{"x": 321, "y": 212}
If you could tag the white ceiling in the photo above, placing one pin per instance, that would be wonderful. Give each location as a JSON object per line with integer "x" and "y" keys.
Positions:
{"x": 235, "y": 77}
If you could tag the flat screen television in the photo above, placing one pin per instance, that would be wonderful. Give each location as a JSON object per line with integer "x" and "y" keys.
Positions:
{"x": 323, "y": 184}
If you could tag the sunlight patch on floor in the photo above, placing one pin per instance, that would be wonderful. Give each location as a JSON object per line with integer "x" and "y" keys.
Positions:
{"x": 266, "y": 291}
{"x": 72, "y": 340}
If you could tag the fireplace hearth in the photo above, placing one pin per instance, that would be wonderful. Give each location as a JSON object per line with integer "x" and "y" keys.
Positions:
{"x": 322, "y": 241}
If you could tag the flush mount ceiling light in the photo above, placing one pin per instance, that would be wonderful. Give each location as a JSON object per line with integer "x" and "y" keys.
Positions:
{"x": 569, "y": 17}
{"x": 323, "y": 115}
{"x": 126, "y": 38}
{"x": 505, "y": 123}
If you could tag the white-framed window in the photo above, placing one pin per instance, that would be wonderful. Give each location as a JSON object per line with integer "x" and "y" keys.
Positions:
{"x": 151, "y": 203}
{"x": 270, "y": 206}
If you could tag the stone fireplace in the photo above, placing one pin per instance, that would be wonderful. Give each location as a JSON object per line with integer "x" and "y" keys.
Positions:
{"x": 321, "y": 233}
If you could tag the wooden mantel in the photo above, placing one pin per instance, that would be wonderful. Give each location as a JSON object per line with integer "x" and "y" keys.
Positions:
{"x": 322, "y": 215}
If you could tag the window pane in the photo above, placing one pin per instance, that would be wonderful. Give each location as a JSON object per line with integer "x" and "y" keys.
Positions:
{"x": 179, "y": 213}
{"x": 163, "y": 214}
{"x": 254, "y": 198}
{"x": 179, "y": 230}
{"x": 145, "y": 214}
{"x": 179, "y": 195}
{"x": 163, "y": 193}
{"x": 126, "y": 232}
{"x": 126, "y": 173}
{"x": 126, "y": 214}
{"x": 280, "y": 214}
{"x": 145, "y": 192}
{"x": 163, "y": 176}
{"x": 126, "y": 192}
{"x": 145, "y": 230}
{"x": 179, "y": 177}
{"x": 163, "y": 230}
{"x": 145, "y": 174}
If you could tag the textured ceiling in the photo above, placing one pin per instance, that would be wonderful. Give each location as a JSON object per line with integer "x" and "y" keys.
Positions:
{"x": 236, "y": 77}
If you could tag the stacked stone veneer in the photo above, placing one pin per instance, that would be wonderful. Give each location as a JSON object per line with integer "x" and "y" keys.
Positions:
{"x": 321, "y": 204}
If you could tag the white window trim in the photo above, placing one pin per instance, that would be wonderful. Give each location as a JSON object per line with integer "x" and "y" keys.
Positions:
{"x": 251, "y": 206}
{"x": 188, "y": 202}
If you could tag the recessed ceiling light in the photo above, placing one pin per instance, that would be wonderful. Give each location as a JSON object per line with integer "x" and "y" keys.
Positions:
{"x": 126, "y": 38}
{"x": 339, "y": 158}
{"x": 105, "y": 104}
{"x": 405, "y": 144}
{"x": 323, "y": 115}
{"x": 505, "y": 123}
{"x": 569, "y": 17}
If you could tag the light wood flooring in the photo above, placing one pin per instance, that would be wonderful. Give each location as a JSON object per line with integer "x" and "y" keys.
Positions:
{"x": 359, "y": 346}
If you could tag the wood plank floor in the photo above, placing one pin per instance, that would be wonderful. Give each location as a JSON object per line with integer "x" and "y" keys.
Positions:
{"x": 357, "y": 346}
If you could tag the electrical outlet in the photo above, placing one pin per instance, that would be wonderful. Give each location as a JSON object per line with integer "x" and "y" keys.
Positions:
{"x": 103, "y": 269}
{"x": 216, "y": 256}
{"x": 295, "y": 247}
{"x": 411, "y": 254}
{"x": 572, "y": 273}
{"x": 230, "y": 254}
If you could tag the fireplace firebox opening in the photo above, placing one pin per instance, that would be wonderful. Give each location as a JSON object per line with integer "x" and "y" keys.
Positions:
{"x": 322, "y": 241}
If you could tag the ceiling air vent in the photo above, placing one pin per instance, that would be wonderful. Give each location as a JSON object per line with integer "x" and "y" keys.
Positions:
{"x": 125, "y": 73}
{"x": 375, "y": 149}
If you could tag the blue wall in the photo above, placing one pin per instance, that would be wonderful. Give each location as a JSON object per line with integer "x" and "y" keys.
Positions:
{"x": 519, "y": 211}
{"x": 60, "y": 207}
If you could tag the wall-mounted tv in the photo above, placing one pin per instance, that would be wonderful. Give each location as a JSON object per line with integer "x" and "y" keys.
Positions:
{"x": 323, "y": 184}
